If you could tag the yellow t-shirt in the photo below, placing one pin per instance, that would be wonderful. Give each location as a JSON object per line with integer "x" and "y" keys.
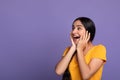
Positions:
{"x": 98, "y": 51}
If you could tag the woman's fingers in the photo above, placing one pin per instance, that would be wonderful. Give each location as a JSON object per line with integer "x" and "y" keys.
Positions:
{"x": 72, "y": 39}
{"x": 85, "y": 36}
{"x": 88, "y": 37}
{"x": 83, "y": 40}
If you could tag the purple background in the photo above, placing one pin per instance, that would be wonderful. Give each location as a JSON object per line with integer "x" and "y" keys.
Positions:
{"x": 34, "y": 34}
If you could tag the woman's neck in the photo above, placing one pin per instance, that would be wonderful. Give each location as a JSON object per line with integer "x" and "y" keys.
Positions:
{"x": 88, "y": 47}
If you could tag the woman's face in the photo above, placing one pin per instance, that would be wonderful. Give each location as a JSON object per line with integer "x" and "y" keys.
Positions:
{"x": 78, "y": 30}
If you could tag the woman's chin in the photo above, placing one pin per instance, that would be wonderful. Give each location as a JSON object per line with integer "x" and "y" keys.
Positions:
{"x": 76, "y": 42}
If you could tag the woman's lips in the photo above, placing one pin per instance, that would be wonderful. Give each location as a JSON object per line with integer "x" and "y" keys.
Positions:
{"x": 77, "y": 37}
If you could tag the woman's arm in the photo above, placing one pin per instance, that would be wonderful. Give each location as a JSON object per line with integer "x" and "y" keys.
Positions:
{"x": 63, "y": 63}
{"x": 87, "y": 70}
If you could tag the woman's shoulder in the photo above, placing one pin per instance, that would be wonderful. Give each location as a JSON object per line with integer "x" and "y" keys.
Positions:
{"x": 66, "y": 50}
{"x": 100, "y": 46}
{"x": 99, "y": 51}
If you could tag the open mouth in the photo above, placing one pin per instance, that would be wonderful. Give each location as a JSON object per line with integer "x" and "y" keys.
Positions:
{"x": 76, "y": 37}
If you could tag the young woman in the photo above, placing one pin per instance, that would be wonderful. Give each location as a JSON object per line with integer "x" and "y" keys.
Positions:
{"x": 82, "y": 60}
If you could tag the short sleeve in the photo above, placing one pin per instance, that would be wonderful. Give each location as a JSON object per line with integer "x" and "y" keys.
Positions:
{"x": 100, "y": 52}
{"x": 66, "y": 51}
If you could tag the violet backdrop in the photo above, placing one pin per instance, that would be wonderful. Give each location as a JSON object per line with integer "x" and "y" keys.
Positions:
{"x": 34, "y": 34}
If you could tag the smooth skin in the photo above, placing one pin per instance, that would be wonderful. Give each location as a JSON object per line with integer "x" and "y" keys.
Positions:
{"x": 82, "y": 45}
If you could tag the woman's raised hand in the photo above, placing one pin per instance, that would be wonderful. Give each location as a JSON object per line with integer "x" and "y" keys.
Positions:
{"x": 83, "y": 41}
{"x": 71, "y": 38}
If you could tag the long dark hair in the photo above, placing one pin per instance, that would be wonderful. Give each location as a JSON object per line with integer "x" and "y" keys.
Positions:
{"x": 66, "y": 75}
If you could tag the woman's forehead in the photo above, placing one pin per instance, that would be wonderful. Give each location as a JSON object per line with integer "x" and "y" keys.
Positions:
{"x": 77, "y": 24}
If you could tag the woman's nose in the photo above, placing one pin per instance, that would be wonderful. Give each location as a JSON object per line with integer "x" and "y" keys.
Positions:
{"x": 74, "y": 31}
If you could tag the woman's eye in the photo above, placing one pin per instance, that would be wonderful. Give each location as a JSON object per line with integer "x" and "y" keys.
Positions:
{"x": 78, "y": 28}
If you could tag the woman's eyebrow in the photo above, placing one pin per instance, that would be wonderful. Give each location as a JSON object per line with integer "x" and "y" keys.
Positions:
{"x": 78, "y": 25}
